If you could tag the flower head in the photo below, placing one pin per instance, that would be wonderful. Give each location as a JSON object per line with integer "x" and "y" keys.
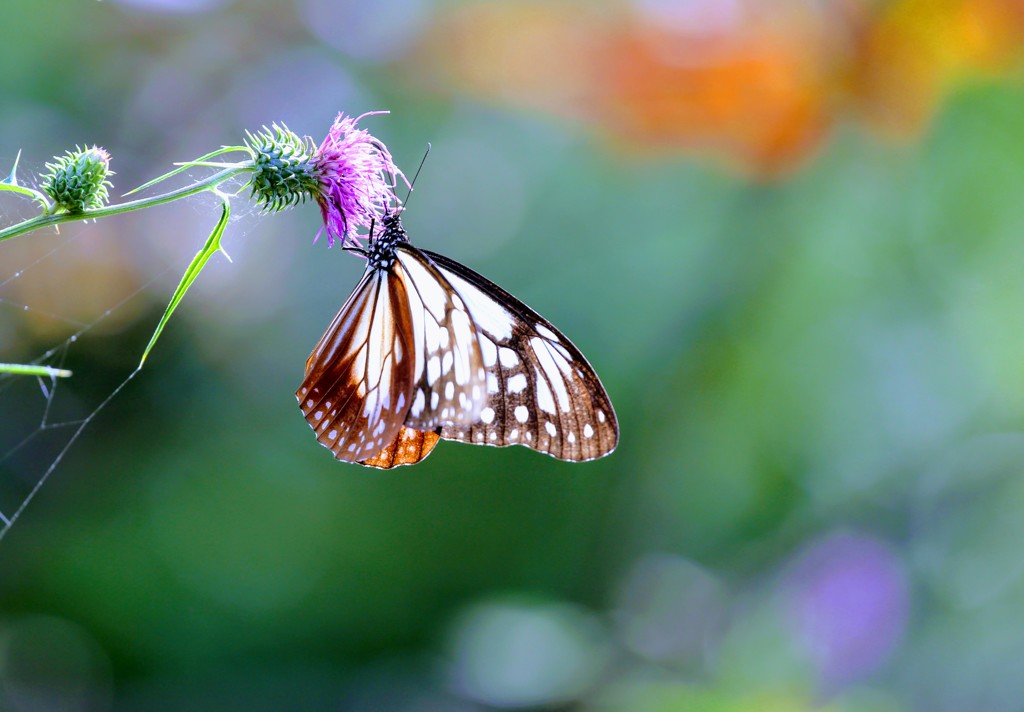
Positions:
{"x": 77, "y": 181}
{"x": 357, "y": 179}
{"x": 282, "y": 174}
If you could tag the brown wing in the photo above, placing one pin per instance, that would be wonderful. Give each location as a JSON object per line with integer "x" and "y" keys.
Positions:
{"x": 408, "y": 448}
{"x": 359, "y": 378}
{"x": 541, "y": 392}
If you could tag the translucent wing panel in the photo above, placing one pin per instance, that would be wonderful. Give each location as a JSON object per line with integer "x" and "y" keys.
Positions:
{"x": 359, "y": 377}
{"x": 541, "y": 392}
{"x": 450, "y": 379}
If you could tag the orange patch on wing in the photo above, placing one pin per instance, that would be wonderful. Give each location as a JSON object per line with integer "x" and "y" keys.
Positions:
{"x": 408, "y": 448}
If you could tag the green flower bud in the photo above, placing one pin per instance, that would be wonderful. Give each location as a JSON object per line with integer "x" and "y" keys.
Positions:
{"x": 77, "y": 181}
{"x": 283, "y": 175}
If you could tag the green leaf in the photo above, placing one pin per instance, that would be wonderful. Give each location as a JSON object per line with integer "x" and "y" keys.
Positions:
{"x": 199, "y": 162}
{"x": 14, "y": 188}
{"x": 12, "y": 179}
{"x": 10, "y": 184}
{"x": 211, "y": 247}
{"x": 25, "y": 369}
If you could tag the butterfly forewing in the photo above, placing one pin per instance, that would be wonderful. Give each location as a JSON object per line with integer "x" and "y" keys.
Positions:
{"x": 358, "y": 380}
{"x": 450, "y": 379}
{"x": 541, "y": 392}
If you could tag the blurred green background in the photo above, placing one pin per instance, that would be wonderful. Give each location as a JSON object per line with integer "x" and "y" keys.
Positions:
{"x": 789, "y": 236}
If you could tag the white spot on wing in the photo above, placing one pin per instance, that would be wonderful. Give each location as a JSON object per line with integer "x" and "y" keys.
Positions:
{"x": 434, "y": 296}
{"x": 588, "y": 432}
{"x": 521, "y": 413}
{"x": 517, "y": 384}
{"x": 508, "y": 357}
{"x": 463, "y": 333}
{"x": 544, "y": 398}
{"x": 550, "y": 427}
{"x": 488, "y": 314}
{"x": 546, "y": 332}
{"x": 566, "y": 356}
{"x": 380, "y": 333}
{"x": 552, "y": 366}
{"x": 487, "y": 415}
{"x": 489, "y": 352}
{"x": 432, "y": 337}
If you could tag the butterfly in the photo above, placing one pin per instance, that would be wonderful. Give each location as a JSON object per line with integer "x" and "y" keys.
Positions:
{"x": 425, "y": 348}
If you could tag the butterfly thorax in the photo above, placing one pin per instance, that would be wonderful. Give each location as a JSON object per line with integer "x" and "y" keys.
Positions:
{"x": 380, "y": 253}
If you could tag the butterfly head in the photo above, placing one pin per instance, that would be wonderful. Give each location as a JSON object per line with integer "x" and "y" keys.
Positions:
{"x": 391, "y": 227}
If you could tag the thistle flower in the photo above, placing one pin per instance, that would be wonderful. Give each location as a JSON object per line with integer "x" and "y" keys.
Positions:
{"x": 282, "y": 175}
{"x": 351, "y": 175}
{"x": 357, "y": 179}
{"x": 77, "y": 181}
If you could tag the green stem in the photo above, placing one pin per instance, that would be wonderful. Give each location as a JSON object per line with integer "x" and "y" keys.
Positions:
{"x": 198, "y": 187}
{"x": 24, "y": 369}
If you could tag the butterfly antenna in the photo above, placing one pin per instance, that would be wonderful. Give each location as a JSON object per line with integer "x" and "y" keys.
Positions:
{"x": 417, "y": 175}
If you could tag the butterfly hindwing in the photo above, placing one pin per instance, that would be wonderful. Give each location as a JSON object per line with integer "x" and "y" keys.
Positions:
{"x": 541, "y": 392}
{"x": 408, "y": 448}
{"x": 355, "y": 393}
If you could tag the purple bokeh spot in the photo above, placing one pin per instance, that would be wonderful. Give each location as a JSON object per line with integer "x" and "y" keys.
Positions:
{"x": 174, "y": 6}
{"x": 848, "y": 596}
